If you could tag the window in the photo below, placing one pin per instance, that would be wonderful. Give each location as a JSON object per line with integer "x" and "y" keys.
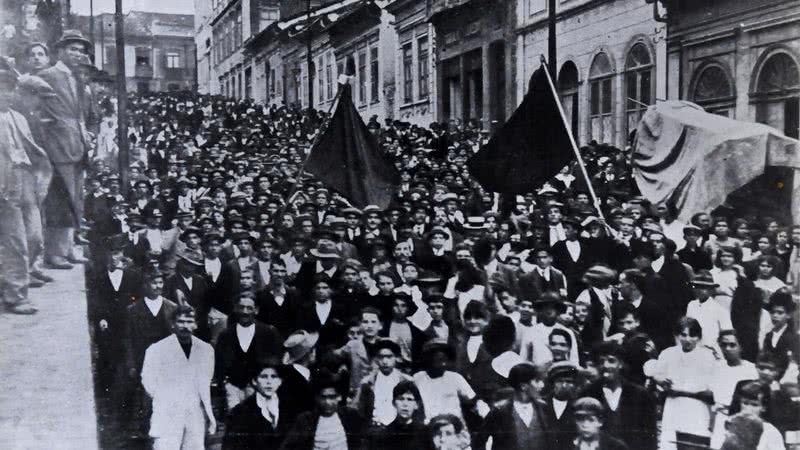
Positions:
{"x": 248, "y": 83}
{"x": 320, "y": 80}
{"x": 269, "y": 82}
{"x": 536, "y": 6}
{"x": 237, "y": 34}
{"x": 713, "y": 91}
{"x": 422, "y": 67}
{"x": 233, "y": 87}
{"x": 362, "y": 77}
{"x": 568, "y": 91}
{"x": 329, "y": 75}
{"x": 777, "y": 95}
{"x": 173, "y": 60}
{"x": 374, "y": 75}
{"x": 408, "y": 77}
{"x": 601, "y": 76}
{"x": 142, "y": 56}
{"x": 638, "y": 84}
{"x": 267, "y": 16}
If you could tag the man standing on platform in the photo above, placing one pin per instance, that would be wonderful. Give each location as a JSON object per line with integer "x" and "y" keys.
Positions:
{"x": 66, "y": 140}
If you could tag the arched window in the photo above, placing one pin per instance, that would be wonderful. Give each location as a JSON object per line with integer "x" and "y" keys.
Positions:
{"x": 713, "y": 90}
{"x": 639, "y": 84}
{"x": 568, "y": 90}
{"x": 777, "y": 95}
{"x": 601, "y": 76}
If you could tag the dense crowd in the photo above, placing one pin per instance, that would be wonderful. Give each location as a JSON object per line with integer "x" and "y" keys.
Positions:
{"x": 451, "y": 319}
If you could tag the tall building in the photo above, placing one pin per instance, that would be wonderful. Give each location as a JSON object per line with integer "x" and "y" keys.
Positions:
{"x": 159, "y": 49}
{"x": 611, "y": 59}
{"x": 739, "y": 58}
{"x": 474, "y": 65}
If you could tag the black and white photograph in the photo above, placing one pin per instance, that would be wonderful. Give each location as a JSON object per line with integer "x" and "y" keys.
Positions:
{"x": 400, "y": 224}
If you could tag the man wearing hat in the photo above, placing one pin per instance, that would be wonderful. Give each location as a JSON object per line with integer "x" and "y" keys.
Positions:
{"x": 561, "y": 387}
{"x": 23, "y": 185}
{"x": 325, "y": 263}
{"x": 520, "y": 424}
{"x": 782, "y": 340}
{"x": 66, "y": 140}
{"x": 188, "y": 286}
{"x": 374, "y": 396}
{"x": 534, "y": 346}
{"x": 572, "y": 256}
{"x": 300, "y": 355}
{"x": 712, "y": 316}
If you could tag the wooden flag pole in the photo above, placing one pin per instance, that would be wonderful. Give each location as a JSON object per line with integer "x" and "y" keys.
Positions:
{"x": 578, "y": 156}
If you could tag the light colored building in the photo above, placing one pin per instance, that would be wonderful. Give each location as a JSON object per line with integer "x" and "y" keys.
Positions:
{"x": 206, "y": 71}
{"x": 159, "y": 50}
{"x": 611, "y": 59}
{"x": 415, "y": 81}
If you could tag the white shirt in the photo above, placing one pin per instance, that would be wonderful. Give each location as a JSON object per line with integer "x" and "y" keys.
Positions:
{"x": 330, "y": 272}
{"x": 544, "y": 273}
{"x": 533, "y": 346}
{"x": 213, "y": 268}
{"x": 776, "y": 335}
{"x": 557, "y": 234}
{"x": 384, "y": 411}
{"x": 188, "y": 282}
{"x": 559, "y": 406}
{"x": 712, "y": 318}
{"x": 612, "y": 397}
{"x": 302, "y": 370}
{"x": 657, "y": 264}
{"x": 115, "y": 276}
{"x": 503, "y": 363}
{"x": 154, "y": 238}
{"x": 154, "y": 305}
{"x": 263, "y": 269}
{"x": 524, "y": 411}
{"x": 473, "y": 345}
{"x": 724, "y": 381}
{"x": 279, "y": 296}
{"x": 574, "y": 249}
{"x": 245, "y": 336}
{"x": 270, "y": 408}
{"x": 323, "y": 311}
{"x": 443, "y": 395}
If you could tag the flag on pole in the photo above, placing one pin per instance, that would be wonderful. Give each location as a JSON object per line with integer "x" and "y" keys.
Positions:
{"x": 346, "y": 157}
{"x": 530, "y": 148}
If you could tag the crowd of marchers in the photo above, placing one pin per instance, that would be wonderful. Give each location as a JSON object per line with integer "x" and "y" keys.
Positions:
{"x": 450, "y": 319}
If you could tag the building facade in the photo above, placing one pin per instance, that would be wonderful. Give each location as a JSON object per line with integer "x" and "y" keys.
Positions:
{"x": 415, "y": 81}
{"x": 160, "y": 50}
{"x": 743, "y": 63}
{"x": 611, "y": 59}
{"x": 474, "y": 56}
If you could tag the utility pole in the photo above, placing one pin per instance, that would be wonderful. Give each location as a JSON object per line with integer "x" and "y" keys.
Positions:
{"x": 122, "y": 100}
{"x": 309, "y": 57}
{"x": 91, "y": 24}
{"x": 551, "y": 38}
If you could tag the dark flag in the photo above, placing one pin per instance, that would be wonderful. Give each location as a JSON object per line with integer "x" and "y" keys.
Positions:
{"x": 346, "y": 157}
{"x": 529, "y": 149}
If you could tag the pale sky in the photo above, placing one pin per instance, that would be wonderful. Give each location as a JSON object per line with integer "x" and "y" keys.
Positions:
{"x": 81, "y": 7}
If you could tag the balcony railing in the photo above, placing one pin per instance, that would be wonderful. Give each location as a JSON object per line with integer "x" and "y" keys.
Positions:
{"x": 439, "y": 6}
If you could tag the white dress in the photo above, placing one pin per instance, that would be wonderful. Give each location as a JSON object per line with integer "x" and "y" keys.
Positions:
{"x": 689, "y": 371}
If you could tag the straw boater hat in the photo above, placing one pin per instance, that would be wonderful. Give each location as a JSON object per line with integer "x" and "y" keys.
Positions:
{"x": 298, "y": 345}
{"x": 475, "y": 223}
{"x": 325, "y": 250}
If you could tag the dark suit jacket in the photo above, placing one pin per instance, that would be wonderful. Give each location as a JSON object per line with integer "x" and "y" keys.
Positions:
{"x": 607, "y": 442}
{"x": 301, "y": 436}
{"x": 479, "y": 374}
{"x": 60, "y": 116}
{"x": 573, "y": 270}
{"x": 788, "y": 342}
{"x": 298, "y": 389}
{"x": 110, "y": 304}
{"x": 176, "y": 288}
{"x": 142, "y": 329}
{"x": 746, "y": 308}
{"x": 634, "y": 421}
{"x": 500, "y": 426}
{"x": 562, "y": 430}
{"x": 332, "y": 333}
{"x": 238, "y": 367}
{"x": 281, "y": 316}
{"x": 246, "y": 428}
{"x": 304, "y": 279}
{"x": 532, "y": 285}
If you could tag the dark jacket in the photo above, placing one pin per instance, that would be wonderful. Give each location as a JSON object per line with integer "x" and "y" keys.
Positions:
{"x": 573, "y": 270}
{"x": 280, "y": 316}
{"x": 246, "y": 428}
{"x": 399, "y": 436}
{"x": 634, "y": 421}
{"x": 500, "y": 426}
{"x": 746, "y": 308}
{"x": 238, "y": 367}
{"x": 197, "y": 296}
{"x": 788, "y": 347}
{"x": 332, "y": 333}
{"x": 562, "y": 430}
{"x": 607, "y": 442}
{"x": 301, "y": 436}
{"x": 532, "y": 285}
{"x": 142, "y": 329}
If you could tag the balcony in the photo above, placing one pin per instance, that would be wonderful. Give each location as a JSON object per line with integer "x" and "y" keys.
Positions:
{"x": 177, "y": 73}
{"x": 440, "y": 6}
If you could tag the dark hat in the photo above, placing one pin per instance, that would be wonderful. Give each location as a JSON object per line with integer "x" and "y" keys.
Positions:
{"x": 241, "y": 236}
{"x": 782, "y": 297}
{"x": 183, "y": 214}
{"x": 153, "y": 272}
{"x": 574, "y": 221}
{"x": 475, "y": 308}
{"x": 351, "y": 212}
{"x": 191, "y": 229}
{"x": 117, "y": 242}
{"x": 703, "y": 279}
{"x": 190, "y": 258}
{"x": 588, "y": 406}
{"x": 641, "y": 248}
{"x": 522, "y": 373}
{"x": 549, "y": 298}
{"x": 387, "y": 343}
{"x": 438, "y": 344}
{"x": 212, "y": 237}
{"x": 561, "y": 369}
{"x": 692, "y": 229}
{"x": 73, "y": 36}
{"x": 498, "y": 336}
{"x": 325, "y": 250}
{"x": 436, "y": 230}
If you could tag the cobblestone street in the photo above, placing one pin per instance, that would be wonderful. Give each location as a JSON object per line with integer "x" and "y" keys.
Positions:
{"x": 47, "y": 398}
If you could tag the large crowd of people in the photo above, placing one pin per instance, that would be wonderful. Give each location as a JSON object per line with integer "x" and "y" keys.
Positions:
{"x": 451, "y": 319}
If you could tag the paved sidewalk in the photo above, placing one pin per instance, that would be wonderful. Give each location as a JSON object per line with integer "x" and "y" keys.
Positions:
{"x": 47, "y": 397}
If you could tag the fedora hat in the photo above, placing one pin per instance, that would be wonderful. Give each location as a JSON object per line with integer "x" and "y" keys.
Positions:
{"x": 298, "y": 345}
{"x": 703, "y": 279}
{"x": 325, "y": 250}
{"x": 438, "y": 344}
{"x": 73, "y": 36}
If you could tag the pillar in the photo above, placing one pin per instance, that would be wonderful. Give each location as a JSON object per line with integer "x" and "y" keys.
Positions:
{"x": 486, "y": 120}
